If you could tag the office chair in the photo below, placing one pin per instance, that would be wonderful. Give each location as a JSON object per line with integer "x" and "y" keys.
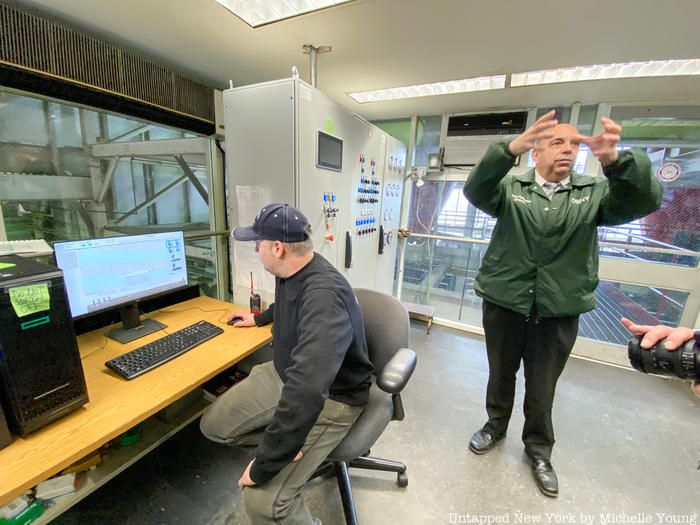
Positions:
{"x": 387, "y": 332}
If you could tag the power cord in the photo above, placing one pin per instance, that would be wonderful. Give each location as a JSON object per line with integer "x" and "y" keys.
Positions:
{"x": 227, "y": 310}
{"x": 105, "y": 343}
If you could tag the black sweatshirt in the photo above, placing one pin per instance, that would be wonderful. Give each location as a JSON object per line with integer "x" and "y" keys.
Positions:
{"x": 319, "y": 352}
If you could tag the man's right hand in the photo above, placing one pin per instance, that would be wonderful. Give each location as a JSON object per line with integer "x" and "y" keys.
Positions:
{"x": 675, "y": 337}
{"x": 247, "y": 319}
{"x": 540, "y": 130}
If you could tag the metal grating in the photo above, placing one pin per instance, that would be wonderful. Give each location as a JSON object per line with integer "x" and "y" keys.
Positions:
{"x": 30, "y": 42}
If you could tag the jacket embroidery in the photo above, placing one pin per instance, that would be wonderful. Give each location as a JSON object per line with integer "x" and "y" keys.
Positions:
{"x": 521, "y": 199}
{"x": 583, "y": 199}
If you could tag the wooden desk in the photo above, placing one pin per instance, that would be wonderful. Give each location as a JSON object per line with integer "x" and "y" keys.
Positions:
{"x": 115, "y": 404}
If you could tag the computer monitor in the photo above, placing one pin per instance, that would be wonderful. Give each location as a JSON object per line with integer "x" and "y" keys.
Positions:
{"x": 117, "y": 272}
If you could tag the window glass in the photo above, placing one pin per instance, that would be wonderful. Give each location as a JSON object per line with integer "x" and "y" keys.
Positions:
{"x": 103, "y": 190}
{"x": 427, "y": 138}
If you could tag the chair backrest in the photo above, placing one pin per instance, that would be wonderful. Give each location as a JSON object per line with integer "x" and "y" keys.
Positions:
{"x": 387, "y": 325}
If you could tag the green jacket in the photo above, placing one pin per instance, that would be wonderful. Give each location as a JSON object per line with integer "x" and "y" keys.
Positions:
{"x": 546, "y": 252}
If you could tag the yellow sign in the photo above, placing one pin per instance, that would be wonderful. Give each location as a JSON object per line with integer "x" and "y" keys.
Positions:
{"x": 30, "y": 299}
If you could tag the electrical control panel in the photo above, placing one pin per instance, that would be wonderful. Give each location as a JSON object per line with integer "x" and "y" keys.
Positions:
{"x": 330, "y": 212}
{"x": 343, "y": 173}
{"x": 366, "y": 222}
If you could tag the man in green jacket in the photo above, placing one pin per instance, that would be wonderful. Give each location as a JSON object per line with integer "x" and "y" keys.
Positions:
{"x": 540, "y": 270}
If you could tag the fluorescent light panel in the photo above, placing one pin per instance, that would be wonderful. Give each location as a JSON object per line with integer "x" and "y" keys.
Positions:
{"x": 436, "y": 88}
{"x": 652, "y": 68}
{"x": 260, "y": 12}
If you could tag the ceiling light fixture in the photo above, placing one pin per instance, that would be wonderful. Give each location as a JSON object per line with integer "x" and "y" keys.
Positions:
{"x": 651, "y": 68}
{"x": 257, "y": 13}
{"x": 449, "y": 87}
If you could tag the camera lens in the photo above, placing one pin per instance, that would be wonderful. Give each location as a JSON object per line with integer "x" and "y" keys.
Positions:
{"x": 683, "y": 362}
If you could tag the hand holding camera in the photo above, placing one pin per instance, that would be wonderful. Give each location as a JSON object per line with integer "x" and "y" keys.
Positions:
{"x": 665, "y": 350}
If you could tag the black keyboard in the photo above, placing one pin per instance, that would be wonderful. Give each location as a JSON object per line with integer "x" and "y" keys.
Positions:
{"x": 152, "y": 355}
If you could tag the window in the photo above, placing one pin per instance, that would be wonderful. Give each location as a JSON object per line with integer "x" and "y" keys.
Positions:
{"x": 67, "y": 174}
{"x": 458, "y": 217}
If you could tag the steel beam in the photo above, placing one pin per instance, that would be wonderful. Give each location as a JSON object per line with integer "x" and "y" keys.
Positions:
{"x": 3, "y": 233}
{"x": 151, "y": 147}
{"x": 106, "y": 181}
{"x": 150, "y": 201}
{"x": 193, "y": 178}
{"x": 132, "y": 133}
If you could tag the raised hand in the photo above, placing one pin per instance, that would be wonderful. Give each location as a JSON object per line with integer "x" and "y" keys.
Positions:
{"x": 604, "y": 144}
{"x": 540, "y": 130}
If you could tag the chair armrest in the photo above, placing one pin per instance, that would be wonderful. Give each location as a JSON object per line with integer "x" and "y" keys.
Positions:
{"x": 397, "y": 371}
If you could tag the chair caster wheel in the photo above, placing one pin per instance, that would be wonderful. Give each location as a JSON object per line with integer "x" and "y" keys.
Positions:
{"x": 402, "y": 479}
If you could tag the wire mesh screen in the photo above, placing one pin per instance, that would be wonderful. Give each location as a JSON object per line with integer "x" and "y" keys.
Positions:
{"x": 673, "y": 232}
{"x": 642, "y": 304}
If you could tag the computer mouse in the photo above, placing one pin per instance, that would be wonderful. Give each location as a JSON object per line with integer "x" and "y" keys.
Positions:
{"x": 234, "y": 320}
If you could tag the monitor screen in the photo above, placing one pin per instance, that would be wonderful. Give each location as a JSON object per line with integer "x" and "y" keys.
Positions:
{"x": 330, "y": 152}
{"x": 113, "y": 271}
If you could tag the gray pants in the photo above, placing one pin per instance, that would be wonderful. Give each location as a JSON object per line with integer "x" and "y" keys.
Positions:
{"x": 239, "y": 417}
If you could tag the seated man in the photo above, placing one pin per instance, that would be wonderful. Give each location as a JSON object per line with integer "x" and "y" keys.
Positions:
{"x": 298, "y": 407}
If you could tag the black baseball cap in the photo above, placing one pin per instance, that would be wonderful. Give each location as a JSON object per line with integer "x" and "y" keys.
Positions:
{"x": 276, "y": 222}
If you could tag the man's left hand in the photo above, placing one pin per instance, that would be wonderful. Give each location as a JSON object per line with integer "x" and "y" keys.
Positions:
{"x": 245, "y": 480}
{"x": 604, "y": 144}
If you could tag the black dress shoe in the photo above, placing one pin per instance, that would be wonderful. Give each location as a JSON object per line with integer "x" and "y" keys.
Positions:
{"x": 545, "y": 477}
{"x": 482, "y": 442}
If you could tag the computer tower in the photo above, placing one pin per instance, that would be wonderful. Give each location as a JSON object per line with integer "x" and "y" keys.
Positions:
{"x": 41, "y": 376}
{"x": 5, "y": 436}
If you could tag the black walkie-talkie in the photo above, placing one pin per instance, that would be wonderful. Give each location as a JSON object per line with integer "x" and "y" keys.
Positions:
{"x": 255, "y": 306}
{"x": 255, "y": 302}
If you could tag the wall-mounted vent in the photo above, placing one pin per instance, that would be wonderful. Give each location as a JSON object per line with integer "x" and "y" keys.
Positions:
{"x": 34, "y": 46}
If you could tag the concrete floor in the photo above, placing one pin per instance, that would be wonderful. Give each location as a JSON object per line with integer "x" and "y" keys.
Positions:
{"x": 628, "y": 448}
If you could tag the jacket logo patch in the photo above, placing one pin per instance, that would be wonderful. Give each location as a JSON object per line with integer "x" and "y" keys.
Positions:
{"x": 520, "y": 199}
{"x": 586, "y": 198}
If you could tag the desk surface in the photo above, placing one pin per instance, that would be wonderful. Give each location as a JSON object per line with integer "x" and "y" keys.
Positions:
{"x": 115, "y": 404}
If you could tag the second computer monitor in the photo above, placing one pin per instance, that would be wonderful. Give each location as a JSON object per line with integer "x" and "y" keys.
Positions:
{"x": 113, "y": 272}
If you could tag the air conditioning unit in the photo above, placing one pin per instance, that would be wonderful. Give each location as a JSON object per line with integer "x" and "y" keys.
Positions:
{"x": 469, "y": 136}
{"x": 467, "y": 151}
